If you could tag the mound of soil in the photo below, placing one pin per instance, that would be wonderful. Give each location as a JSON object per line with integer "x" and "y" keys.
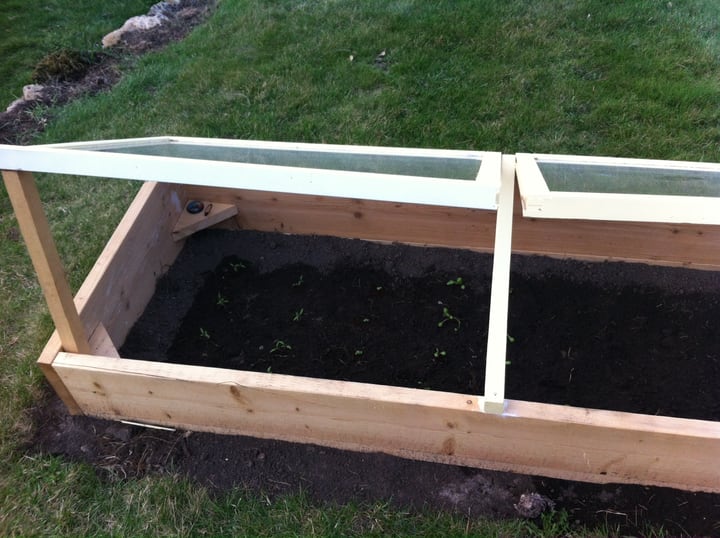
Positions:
{"x": 605, "y": 335}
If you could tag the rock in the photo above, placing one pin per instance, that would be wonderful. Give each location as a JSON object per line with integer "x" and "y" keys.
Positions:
{"x": 111, "y": 39}
{"x": 155, "y": 17}
{"x": 531, "y": 505}
{"x": 33, "y": 92}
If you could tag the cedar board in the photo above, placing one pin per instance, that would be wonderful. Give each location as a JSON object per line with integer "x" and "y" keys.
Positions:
{"x": 550, "y": 440}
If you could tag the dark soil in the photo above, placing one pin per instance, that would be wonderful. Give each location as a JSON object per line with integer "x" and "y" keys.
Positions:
{"x": 24, "y": 122}
{"x": 605, "y": 335}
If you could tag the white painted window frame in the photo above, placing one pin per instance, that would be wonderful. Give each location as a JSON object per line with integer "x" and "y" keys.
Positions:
{"x": 97, "y": 159}
{"x": 538, "y": 201}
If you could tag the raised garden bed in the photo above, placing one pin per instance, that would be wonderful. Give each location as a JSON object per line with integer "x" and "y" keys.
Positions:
{"x": 487, "y": 425}
{"x": 614, "y": 336}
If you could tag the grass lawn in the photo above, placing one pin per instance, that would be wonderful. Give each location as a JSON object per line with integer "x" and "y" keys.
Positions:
{"x": 631, "y": 79}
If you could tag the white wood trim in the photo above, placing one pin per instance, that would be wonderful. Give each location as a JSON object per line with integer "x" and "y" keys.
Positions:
{"x": 539, "y": 201}
{"x": 495, "y": 367}
{"x": 480, "y": 193}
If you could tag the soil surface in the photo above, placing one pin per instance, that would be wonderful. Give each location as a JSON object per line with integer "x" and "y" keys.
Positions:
{"x": 604, "y": 335}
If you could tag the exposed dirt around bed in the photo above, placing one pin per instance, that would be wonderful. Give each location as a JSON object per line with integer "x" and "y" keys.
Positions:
{"x": 608, "y": 335}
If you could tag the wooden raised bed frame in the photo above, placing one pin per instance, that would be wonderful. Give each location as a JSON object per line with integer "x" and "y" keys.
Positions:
{"x": 81, "y": 362}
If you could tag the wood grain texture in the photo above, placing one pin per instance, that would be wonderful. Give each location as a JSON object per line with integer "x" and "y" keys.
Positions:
{"x": 35, "y": 229}
{"x": 122, "y": 281}
{"x": 689, "y": 245}
{"x": 549, "y": 440}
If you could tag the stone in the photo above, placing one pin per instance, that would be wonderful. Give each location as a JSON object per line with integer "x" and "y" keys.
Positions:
{"x": 531, "y": 505}
{"x": 155, "y": 17}
{"x": 15, "y": 104}
{"x": 33, "y": 92}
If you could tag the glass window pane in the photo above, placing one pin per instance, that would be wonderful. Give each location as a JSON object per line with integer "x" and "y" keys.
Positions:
{"x": 408, "y": 165}
{"x": 575, "y": 177}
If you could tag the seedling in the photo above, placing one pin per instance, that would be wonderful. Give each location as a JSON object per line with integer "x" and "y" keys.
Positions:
{"x": 298, "y": 282}
{"x": 204, "y": 334}
{"x": 237, "y": 266}
{"x": 439, "y": 353}
{"x": 298, "y": 314}
{"x": 447, "y": 316}
{"x": 511, "y": 339}
{"x": 279, "y": 345}
{"x": 456, "y": 282}
{"x": 221, "y": 300}
{"x": 359, "y": 352}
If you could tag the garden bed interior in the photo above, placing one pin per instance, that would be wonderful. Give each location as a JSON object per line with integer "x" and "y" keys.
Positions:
{"x": 609, "y": 353}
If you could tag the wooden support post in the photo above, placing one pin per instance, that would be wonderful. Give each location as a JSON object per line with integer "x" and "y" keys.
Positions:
{"x": 35, "y": 229}
{"x": 494, "y": 400}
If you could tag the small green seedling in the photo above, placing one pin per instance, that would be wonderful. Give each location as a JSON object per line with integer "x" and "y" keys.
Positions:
{"x": 439, "y": 353}
{"x": 204, "y": 334}
{"x": 221, "y": 300}
{"x": 297, "y": 316}
{"x": 237, "y": 266}
{"x": 359, "y": 352}
{"x": 511, "y": 339}
{"x": 279, "y": 345}
{"x": 447, "y": 316}
{"x": 298, "y": 282}
{"x": 378, "y": 288}
{"x": 456, "y": 282}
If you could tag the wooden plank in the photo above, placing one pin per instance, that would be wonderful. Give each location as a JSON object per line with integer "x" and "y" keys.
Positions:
{"x": 122, "y": 281}
{"x": 35, "y": 230}
{"x": 366, "y": 219}
{"x": 654, "y": 243}
{"x": 549, "y": 440}
{"x": 494, "y": 397}
{"x": 212, "y": 213}
{"x": 101, "y": 343}
{"x": 687, "y": 245}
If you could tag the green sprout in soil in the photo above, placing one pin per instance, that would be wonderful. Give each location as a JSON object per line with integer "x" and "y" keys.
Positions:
{"x": 447, "y": 316}
{"x": 511, "y": 339}
{"x": 439, "y": 353}
{"x": 204, "y": 334}
{"x": 366, "y": 320}
{"x": 456, "y": 282}
{"x": 359, "y": 352}
{"x": 221, "y": 300}
{"x": 298, "y": 282}
{"x": 297, "y": 316}
{"x": 237, "y": 266}
{"x": 280, "y": 346}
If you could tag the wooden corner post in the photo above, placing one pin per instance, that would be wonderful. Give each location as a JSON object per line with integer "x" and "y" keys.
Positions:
{"x": 35, "y": 230}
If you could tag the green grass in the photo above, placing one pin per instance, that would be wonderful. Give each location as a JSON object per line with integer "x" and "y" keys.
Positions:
{"x": 631, "y": 79}
{"x": 30, "y": 29}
